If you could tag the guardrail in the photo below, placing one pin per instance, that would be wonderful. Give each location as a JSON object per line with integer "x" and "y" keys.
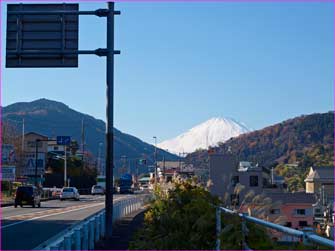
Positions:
{"x": 306, "y": 237}
{"x": 84, "y": 235}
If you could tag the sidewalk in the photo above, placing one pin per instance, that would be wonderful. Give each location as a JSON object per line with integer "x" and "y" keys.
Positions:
{"x": 123, "y": 232}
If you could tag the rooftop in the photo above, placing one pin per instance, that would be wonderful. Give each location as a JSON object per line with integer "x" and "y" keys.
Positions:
{"x": 321, "y": 173}
{"x": 292, "y": 198}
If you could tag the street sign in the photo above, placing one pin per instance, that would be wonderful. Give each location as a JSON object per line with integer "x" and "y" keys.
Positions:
{"x": 63, "y": 140}
{"x": 30, "y": 164}
{"x": 54, "y": 36}
{"x": 8, "y": 173}
{"x": 38, "y": 38}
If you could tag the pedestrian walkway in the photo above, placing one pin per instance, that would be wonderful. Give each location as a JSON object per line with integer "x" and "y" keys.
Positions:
{"x": 123, "y": 232}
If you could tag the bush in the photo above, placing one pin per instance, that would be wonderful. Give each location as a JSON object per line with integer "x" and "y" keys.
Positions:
{"x": 183, "y": 217}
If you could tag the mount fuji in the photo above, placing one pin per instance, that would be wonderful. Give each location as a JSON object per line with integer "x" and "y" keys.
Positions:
{"x": 209, "y": 133}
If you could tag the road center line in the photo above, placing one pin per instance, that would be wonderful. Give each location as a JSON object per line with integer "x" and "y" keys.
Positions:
{"x": 44, "y": 216}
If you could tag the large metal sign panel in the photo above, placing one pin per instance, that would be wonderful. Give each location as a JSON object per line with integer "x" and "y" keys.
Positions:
{"x": 8, "y": 173}
{"x": 56, "y": 34}
{"x": 8, "y": 154}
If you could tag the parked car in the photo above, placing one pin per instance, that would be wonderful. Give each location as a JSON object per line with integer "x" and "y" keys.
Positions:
{"x": 69, "y": 193}
{"x": 56, "y": 193}
{"x": 97, "y": 190}
{"x": 27, "y": 195}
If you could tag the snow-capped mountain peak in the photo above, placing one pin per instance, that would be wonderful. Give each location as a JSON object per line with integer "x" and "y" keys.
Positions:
{"x": 208, "y": 133}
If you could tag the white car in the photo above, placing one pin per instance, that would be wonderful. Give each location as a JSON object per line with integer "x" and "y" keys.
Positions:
{"x": 69, "y": 193}
{"x": 97, "y": 190}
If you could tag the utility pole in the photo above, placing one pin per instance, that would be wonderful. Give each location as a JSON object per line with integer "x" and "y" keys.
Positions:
{"x": 164, "y": 168}
{"x": 23, "y": 136}
{"x": 36, "y": 153}
{"x": 82, "y": 139}
{"x": 155, "y": 156}
{"x": 65, "y": 167}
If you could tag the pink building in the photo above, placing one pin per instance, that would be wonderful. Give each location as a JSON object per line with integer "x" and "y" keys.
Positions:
{"x": 294, "y": 210}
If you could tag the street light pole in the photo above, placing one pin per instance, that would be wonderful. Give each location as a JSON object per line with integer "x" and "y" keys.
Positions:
{"x": 110, "y": 120}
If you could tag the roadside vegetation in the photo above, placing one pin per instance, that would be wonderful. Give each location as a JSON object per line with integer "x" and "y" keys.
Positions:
{"x": 183, "y": 217}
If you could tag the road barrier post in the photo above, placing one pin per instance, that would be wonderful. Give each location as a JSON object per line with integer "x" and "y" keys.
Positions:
{"x": 91, "y": 235}
{"x": 118, "y": 211}
{"x": 67, "y": 242}
{"x": 102, "y": 233}
{"x": 54, "y": 247}
{"x": 85, "y": 236}
{"x": 77, "y": 239}
{"x": 97, "y": 228}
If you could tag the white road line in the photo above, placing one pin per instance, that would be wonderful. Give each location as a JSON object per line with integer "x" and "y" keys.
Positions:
{"x": 26, "y": 214}
{"x": 44, "y": 216}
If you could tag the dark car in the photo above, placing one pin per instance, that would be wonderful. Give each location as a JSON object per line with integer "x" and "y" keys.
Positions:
{"x": 27, "y": 195}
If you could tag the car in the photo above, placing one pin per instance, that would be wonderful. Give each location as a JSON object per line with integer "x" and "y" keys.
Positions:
{"x": 27, "y": 195}
{"x": 97, "y": 190}
{"x": 69, "y": 193}
{"x": 56, "y": 193}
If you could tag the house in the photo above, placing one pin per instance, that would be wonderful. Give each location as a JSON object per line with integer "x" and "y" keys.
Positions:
{"x": 294, "y": 210}
{"x": 53, "y": 147}
{"x": 34, "y": 142}
{"x": 320, "y": 181}
{"x": 169, "y": 169}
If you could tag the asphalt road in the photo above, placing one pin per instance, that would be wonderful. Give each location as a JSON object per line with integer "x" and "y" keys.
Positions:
{"x": 26, "y": 228}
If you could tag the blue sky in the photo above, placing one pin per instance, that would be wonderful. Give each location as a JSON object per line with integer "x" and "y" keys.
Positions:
{"x": 183, "y": 63}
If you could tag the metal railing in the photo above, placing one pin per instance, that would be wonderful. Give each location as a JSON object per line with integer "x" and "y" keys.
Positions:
{"x": 306, "y": 237}
{"x": 85, "y": 234}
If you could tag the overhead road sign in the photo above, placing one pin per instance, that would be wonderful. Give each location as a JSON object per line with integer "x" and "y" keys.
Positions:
{"x": 52, "y": 29}
{"x": 60, "y": 49}
{"x": 63, "y": 140}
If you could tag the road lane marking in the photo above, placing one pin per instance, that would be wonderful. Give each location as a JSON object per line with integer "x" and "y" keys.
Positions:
{"x": 80, "y": 207}
{"x": 14, "y": 217}
{"x": 43, "y": 211}
{"x": 44, "y": 216}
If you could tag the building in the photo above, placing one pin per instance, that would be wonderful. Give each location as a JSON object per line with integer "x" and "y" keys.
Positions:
{"x": 297, "y": 208}
{"x": 53, "y": 147}
{"x": 169, "y": 169}
{"x": 320, "y": 181}
{"x": 225, "y": 173}
{"x": 294, "y": 210}
{"x": 34, "y": 142}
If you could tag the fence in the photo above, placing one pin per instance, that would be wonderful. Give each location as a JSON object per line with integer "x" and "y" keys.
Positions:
{"x": 307, "y": 237}
{"x": 84, "y": 235}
